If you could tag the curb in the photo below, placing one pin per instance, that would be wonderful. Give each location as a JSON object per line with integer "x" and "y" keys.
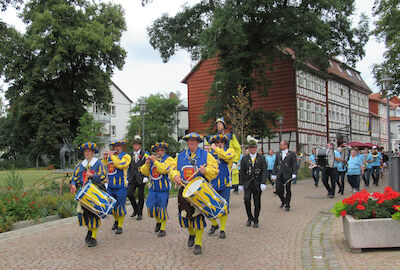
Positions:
{"x": 27, "y": 223}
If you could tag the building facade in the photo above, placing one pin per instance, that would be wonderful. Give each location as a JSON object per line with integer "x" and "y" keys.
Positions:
{"x": 117, "y": 120}
{"x": 318, "y": 107}
{"x": 379, "y": 126}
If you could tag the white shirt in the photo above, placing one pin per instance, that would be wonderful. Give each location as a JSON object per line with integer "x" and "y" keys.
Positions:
{"x": 284, "y": 153}
{"x": 136, "y": 155}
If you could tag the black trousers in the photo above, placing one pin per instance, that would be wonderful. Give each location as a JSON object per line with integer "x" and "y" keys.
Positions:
{"x": 252, "y": 190}
{"x": 137, "y": 207}
{"x": 340, "y": 181}
{"x": 333, "y": 174}
{"x": 280, "y": 189}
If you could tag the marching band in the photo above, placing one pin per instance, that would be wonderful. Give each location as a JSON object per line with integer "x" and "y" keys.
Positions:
{"x": 204, "y": 178}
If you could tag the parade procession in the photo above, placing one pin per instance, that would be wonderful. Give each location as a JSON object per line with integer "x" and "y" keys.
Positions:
{"x": 200, "y": 134}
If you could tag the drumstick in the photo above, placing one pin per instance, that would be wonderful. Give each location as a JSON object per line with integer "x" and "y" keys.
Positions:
{"x": 290, "y": 179}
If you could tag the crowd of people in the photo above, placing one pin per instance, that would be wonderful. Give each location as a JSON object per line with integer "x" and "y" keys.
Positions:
{"x": 205, "y": 176}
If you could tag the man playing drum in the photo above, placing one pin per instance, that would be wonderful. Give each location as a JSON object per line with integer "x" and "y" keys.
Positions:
{"x": 222, "y": 184}
{"x": 183, "y": 167}
{"x": 157, "y": 168}
{"x": 117, "y": 168}
{"x": 89, "y": 169}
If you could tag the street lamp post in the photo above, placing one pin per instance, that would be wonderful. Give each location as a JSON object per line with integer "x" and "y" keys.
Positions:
{"x": 143, "y": 105}
{"x": 386, "y": 84}
{"x": 280, "y": 119}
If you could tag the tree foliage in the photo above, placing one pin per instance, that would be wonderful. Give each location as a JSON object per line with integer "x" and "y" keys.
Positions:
{"x": 61, "y": 63}
{"x": 249, "y": 36}
{"x": 388, "y": 30}
{"x": 160, "y": 121}
{"x": 89, "y": 130}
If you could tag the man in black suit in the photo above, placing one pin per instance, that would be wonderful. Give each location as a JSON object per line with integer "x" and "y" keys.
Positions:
{"x": 136, "y": 179}
{"x": 284, "y": 172}
{"x": 253, "y": 178}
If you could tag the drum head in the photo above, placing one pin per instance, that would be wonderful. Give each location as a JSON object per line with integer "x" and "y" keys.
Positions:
{"x": 331, "y": 157}
{"x": 192, "y": 187}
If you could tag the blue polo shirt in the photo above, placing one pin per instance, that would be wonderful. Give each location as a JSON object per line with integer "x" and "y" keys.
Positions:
{"x": 270, "y": 162}
{"x": 354, "y": 166}
{"x": 337, "y": 155}
{"x": 377, "y": 160}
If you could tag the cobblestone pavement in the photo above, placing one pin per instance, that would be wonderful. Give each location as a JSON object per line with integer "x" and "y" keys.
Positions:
{"x": 279, "y": 242}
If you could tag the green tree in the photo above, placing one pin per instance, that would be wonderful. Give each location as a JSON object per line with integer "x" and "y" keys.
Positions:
{"x": 249, "y": 36}
{"x": 160, "y": 121}
{"x": 388, "y": 30}
{"x": 89, "y": 130}
{"x": 61, "y": 64}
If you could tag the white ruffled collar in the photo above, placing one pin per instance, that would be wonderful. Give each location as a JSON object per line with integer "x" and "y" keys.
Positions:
{"x": 92, "y": 162}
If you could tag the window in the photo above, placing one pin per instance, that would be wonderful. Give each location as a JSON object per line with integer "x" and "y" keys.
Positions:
{"x": 96, "y": 109}
{"x": 349, "y": 73}
{"x": 112, "y": 110}
{"x": 112, "y": 130}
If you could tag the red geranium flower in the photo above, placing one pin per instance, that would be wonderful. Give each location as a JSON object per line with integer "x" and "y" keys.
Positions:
{"x": 343, "y": 213}
{"x": 360, "y": 207}
{"x": 396, "y": 207}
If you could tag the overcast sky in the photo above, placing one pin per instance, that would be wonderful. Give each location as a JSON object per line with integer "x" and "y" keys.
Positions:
{"x": 144, "y": 72}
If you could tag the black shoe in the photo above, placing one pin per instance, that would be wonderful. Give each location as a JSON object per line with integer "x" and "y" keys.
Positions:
{"x": 255, "y": 225}
{"x": 213, "y": 229}
{"x": 197, "y": 250}
{"x": 114, "y": 227}
{"x": 331, "y": 196}
{"x": 282, "y": 205}
{"x": 222, "y": 234}
{"x": 118, "y": 231}
{"x": 92, "y": 242}
{"x": 248, "y": 223}
{"x": 133, "y": 214}
{"x": 191, "y": 241}
{"x": 287, "y": 208}
{"x": 276, "y": 193}
{"x": 139, "y": 217}
{"x": 158, "y": 227}
{"x": 161, "y": 233}
{"x": 88, "y": 236}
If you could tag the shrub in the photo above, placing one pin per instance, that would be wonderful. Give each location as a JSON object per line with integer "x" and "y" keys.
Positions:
{"x": 66, "y": 205}
{"x": 303, "y": 172}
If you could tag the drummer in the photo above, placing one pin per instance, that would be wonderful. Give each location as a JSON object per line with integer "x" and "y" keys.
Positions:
{"x": 117, "y": 167}
{"x": 157, "y": 168}
{"x": 183, "y": 167}
{"x": 89, "y": 169}
{"x": 222, "y": 183}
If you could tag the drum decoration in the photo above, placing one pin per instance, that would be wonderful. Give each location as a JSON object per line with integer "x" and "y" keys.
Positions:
{"x": 95, "y": 200}
{"x": 201, "y": 194}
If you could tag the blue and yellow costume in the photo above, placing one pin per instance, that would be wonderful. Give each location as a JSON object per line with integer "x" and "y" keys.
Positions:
{"x": 78, "y": 179}
{"x": 117, "y": 168}
{"x": 222, "y": 183}
{"x": 157, "y": 199}
{"x": 231, "y": 142}
{"x": 184, "y": 165}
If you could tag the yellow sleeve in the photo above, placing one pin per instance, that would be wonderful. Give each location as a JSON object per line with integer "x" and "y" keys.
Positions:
{"x": 145, "y": 169}
{"x": 211, "y": 167}
{"x": 122, "y": 163}
{"x": 173, "y": 171}
{"x": 105, "y": 161}
{"x": 227, "y": 155}
{"x": 164, "y": 167}
{"x": 234, "y": 143}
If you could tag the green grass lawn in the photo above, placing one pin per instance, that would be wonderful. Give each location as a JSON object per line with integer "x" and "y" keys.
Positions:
{"x": 31, "y": 176}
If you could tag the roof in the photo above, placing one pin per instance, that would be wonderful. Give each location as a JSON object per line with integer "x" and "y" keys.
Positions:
{"x": 394, "y": 118}
{"x": 378, "y": 98}
{"x": 374, "y": 114}
{"x": 119, "y": 89}
{"x": 348, "y": 74}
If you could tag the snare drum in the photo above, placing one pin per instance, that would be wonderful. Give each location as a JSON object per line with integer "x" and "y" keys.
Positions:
{"x": 94, "y": 199}
{"x": 201, "y": 194}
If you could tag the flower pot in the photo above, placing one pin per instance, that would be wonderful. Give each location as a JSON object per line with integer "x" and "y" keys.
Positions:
{"x": 371, "y": 233}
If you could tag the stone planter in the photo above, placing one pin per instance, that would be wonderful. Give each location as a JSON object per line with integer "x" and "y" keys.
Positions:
{"x": 371, "y": 233}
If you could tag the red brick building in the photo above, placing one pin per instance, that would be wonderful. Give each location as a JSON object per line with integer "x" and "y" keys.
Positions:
{"x": 302, "y": 97}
